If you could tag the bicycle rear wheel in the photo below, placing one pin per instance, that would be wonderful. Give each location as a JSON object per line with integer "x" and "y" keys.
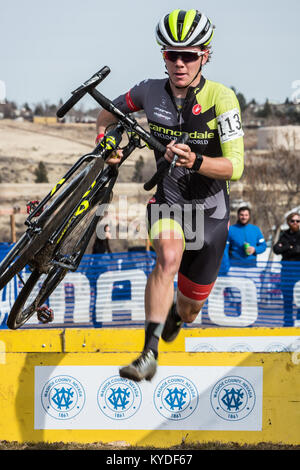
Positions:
{"x": 15, "y": 320}
{"x": 27, "y": 303}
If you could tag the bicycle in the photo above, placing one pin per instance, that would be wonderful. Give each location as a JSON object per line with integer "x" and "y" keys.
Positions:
{"x": 62, "y": 224}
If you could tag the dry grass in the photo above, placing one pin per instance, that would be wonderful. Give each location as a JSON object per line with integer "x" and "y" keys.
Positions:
{"x": 5, "y": 445}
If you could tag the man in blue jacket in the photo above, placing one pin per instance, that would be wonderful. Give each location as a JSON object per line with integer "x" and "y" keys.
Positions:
{"x": 245, "y": 241}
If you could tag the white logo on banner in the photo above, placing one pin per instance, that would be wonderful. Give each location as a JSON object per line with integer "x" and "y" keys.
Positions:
{"x": 233, "y": 398}
{"x": 176, "y": 397}
{"x": 119, "y": 398}
{"x": 63, "y": 397}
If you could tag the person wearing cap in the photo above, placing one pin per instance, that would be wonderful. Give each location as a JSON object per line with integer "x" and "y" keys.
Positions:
{"x": 188, "y": 216}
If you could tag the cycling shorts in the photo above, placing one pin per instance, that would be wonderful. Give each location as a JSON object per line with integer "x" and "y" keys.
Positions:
{"x": 204, "y": 239}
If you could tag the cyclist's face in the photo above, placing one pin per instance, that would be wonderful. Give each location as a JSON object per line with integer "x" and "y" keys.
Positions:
{"x": 182, "y": 72}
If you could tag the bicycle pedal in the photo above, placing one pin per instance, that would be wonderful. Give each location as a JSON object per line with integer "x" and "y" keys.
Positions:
{"x": 45, "y": 314}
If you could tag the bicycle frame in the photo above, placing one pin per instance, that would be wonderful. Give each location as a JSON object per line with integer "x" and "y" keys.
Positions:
{"x": 100, "y": 151}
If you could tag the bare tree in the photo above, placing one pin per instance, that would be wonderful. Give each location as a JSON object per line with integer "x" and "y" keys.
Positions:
{"x": 272, "y": 186}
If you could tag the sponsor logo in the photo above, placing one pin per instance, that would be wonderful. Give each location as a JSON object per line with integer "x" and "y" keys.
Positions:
{"x": 161, "y": 112}
{"x": 63, "y": 397}
{"x": 177, "y": 133}
{"x": 176, "y": 397}
{"x": 197, "y": 109}
{"x": 119, "y": 398}
{"x": 233, "y": 398}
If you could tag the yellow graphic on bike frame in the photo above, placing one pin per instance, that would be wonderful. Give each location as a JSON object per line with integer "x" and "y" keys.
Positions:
{"x": 56, "y": 186}
{"x": 83, "y": 206}
{"x": 107, "y": 145}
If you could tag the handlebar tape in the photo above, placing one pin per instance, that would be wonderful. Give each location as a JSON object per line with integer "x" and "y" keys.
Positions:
{"x": 82, "y": 90}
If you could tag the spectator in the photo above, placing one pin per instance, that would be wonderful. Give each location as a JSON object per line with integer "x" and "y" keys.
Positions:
{"x": 288, "y": 246}
{"x": 101, "y": 245}
{"x": 245, "y": 241}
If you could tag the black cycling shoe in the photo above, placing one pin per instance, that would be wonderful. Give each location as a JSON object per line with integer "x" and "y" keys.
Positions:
{"x": 144, "y": 367}
{"x": 172, "y": 325}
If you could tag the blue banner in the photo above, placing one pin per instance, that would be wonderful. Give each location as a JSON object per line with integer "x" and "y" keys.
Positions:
{"x": 108, "y": 290}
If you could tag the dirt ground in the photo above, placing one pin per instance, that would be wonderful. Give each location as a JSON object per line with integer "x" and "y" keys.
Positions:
{"x": 4, "y": 445}
{"x": 24, "y": 144}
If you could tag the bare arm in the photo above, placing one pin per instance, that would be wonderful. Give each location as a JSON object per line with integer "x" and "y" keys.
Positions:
{"x": 217, "y": 168}
{"x": 104, "y": 119}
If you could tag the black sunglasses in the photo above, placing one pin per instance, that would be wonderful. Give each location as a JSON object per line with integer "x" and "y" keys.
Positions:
{"x": 295, "y": 221}
{"x": 185, "y": 56}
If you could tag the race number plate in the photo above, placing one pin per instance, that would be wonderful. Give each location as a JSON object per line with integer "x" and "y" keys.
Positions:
{"x": 230, "y": 126}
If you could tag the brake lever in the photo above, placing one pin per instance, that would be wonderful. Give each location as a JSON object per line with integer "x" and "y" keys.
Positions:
{"x": 181, "y": 140}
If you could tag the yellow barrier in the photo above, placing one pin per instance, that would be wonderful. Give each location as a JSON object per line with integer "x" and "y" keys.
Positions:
{"x": 28, "y": 356}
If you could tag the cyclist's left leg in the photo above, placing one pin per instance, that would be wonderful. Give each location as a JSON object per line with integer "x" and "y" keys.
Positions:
{"x": 196, "y": 278}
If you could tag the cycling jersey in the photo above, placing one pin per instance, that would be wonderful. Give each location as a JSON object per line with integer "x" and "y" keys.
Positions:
{"x": 210, "y": 114}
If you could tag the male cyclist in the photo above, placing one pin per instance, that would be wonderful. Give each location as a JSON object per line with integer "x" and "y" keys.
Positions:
{"x": 188, "y": 216}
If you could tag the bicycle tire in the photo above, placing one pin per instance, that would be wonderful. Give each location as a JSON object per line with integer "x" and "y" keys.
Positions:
{"x": 14, "y": 320}
{"x": 41, "y": 239}
{"x": 18, "y": 316}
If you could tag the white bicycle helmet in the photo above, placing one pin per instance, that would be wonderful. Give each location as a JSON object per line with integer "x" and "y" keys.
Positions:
{"x": 184, "y": 28}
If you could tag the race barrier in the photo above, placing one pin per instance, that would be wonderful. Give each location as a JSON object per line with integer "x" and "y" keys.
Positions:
{"x": 233, "y": 376}
{"x": 63, "y": 385}
{"x": 108, "y": 291}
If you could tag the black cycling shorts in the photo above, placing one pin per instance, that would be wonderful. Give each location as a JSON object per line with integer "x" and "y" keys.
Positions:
{"x": 204, "y": 240}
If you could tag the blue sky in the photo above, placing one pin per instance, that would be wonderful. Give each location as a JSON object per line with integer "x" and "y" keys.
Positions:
{"x": 49, "y": 47}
